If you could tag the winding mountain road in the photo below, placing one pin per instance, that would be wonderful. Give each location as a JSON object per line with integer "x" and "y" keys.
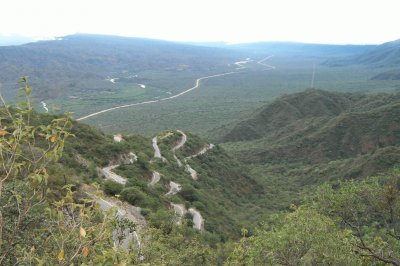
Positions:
{"x": 198, "y": 222}
{"x": 178, "y": 146}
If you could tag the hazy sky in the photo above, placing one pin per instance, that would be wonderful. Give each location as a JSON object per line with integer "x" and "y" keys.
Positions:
{"x": 320, "y": 21}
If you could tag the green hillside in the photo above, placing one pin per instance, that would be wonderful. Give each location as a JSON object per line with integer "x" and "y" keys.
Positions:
{"x": 222, "y": 192}
{"x": 304, "y": 139}
{"x": 393, "y": 74}
{"x": 298, "y": 185}
{"x": 387, "y": 54}
{"x": 384, "y": 57}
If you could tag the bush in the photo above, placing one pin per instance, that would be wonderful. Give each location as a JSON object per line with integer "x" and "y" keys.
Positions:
{"x": 189, "y": 194}
{"x": 133, "y": 195}
{"x": 112, "y": 188}
{"x": 145, "y": 212}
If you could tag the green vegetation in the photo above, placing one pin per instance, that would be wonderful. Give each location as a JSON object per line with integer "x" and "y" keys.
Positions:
{"x": 230, "y": 99}
{"x": 311, "y": 178}
{"x": 302, "y": 140}
{"x": 42, "y": 223}
{"x": 45, "y": 220}
{"x": 222, "y": 192}
{"x": 71, "y": 76}
{"x": 354, "y": 223}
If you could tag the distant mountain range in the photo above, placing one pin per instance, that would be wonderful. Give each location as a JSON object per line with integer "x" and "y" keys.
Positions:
{"x": 386, "y": 55}
{"x": 83, "y": 61}
{"x": 6, "y": 40}
{"x": 303, "y": 49}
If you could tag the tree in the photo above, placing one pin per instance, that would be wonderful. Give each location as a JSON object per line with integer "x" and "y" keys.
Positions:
{"x": 303, "y": 237}
{"x": 370, "y": 209}
{"x": 35, "y": 228}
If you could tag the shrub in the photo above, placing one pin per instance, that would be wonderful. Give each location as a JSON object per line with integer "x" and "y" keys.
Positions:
{"x": 133, "y": 195}
{"x": 112, "y": 188}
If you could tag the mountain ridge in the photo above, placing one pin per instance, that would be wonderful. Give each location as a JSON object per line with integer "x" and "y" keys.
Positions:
{"x": 316, "y": 126}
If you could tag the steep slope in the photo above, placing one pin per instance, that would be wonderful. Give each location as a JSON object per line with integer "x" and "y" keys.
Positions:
{"x": 217, "y": 199}
{"x": 318, "y": 126}
{"x": 289, "y": 109}
{"x": 220, "y": 190}
{"x": 304, "y": 139}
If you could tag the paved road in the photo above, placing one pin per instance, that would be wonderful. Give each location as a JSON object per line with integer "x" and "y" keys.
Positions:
{"x": 157, "y": 152}
{"x": 155, "y": 178}
{"x": 265, "y": 59}
{"x": 178, "y": 146}
{"x": 107, "y": 205}
{"x": 191, "y": 171}
{"x": 107, "y": 171}
{"x": 179, "y": 209}
{"x": 205, "y": 149}
{"x": 197, "y": 84}
{"x": 178, "y": 161}
{"x": 181, "y": 142}
{"x": 174, "y": 188}
{"x": 197, "y": 219}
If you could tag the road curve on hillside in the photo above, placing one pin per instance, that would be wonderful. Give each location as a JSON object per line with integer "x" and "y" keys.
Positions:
{"x": 197, "y": 84}
{"x": 191, "y": 171}
{"x": 124, "y": 210}
{"x": 205, "y": 149}
{"x": 155, "y": 178}
{"x": 157, "y": 152}
{"x": 107, "y": 172}
{"x": 135, "y": 217}
{"x": 181, "y": 142}
{"x": 174, "y": 188}
{"x": 198, "y": 222}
